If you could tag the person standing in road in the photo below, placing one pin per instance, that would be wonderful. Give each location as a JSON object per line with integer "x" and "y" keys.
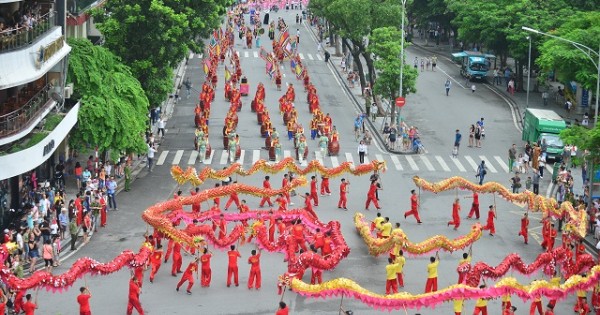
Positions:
{"x": 74, "y": 231}
{"x": 343, "y": 194}
{"x": 481, "y": 172}
{"x": 255, "y": 274}
{"x": 414, "y": 207}
{"x": 206, "y": 272}
{"x": 188, "y": 275}
{"x": 111, "y": 189}
{"x": 283, "y": 309}
{"x": 455, "y": 214}
{"x": 515, "y": 183}
{"x": 391, "y": 283}
{"x": 232, "y": 267}
{"x": 266, "y": 199}
{"x": 457, "y": 138}
{"x": 490, "y": 221}
{"x": 541, "y": 165}
{"x": 512, "y": 156}
{"x": 134, "y": 297}
{"x": 362, "y": 151}
{"x": 84, "y": 301}
{"x": 372, "y": 196}
{"x": 432, "y": 273}
{"x": 151, "y": 151}
{"x": 524, "y": 227}
{"x": 536, "y": 182}
{"x": 474, "y": 206}
{"x": 447, "y": 86}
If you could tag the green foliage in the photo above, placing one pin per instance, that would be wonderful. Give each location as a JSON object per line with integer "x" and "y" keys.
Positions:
{"x": 572, "y": 64}
{"x": 114, "y": 108}
{"x": 52, "y": 120}
{"x": 583, "y": 138}
{"x": 152, "y": 36}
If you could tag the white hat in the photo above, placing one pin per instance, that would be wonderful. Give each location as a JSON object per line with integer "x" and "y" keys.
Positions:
{"x": 6, "y": 231}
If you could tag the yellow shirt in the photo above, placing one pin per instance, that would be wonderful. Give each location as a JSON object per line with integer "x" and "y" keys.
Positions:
{"x": 506, "y": 298}
{"x": 555, "y": 281}
{"x": 581, "y": 293}
{"x": 432, "y": 269}
{"x": 386, "y": 229}
{"x": 378, "y": 222}
{"x": 396, "y": 250}
{"x": 400, "y": 261}
{"x": 465, "y": 260}
{"x": 390, "y": 271}
{"x": 481, "y": 303}
{"x": 458, "y": 305}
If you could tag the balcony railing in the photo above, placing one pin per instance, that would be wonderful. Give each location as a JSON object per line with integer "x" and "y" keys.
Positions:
{"x": 16, "y": 38}
{"x": 21, "y": 117}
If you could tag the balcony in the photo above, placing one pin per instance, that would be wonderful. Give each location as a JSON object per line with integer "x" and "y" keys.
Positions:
{"x": 20, "y": 113}
{"x": 18, "y": 38}
{"x": 77, "y": 7}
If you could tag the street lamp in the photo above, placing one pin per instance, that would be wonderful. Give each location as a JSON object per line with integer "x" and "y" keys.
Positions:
{"x": 528, "y": 72}
{"x": 588, "y": 53}
{"x": 398, "y": 117}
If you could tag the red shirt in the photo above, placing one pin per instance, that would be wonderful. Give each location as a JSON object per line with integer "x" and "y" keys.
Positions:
{"x": 176, "y": 249}
{"x": 372, "y": 190}
{"x": 491, "y": 216}
{"x": 313, "y": 186}
{"x": 284, "y": 182}
{"x": 233, "y": 257}
{"x": 283, "y": 311}
{"x": 244, "y": 208}
{"x": 191, "y": 268}
{"x": 319, "y": 238}
{"x": 455, "y": 208}
{"x": 343, "y": 188}
{"x": 205, "y": 260}
{"x": 298, "y": 231}
{"x": 254, "y": 261}
{"x": 29, "y": 308}
{"x": 414, "y": 202}
{"x": 326, "y": 246}
{"x": 475, "y": 198}
{"x": 266, "y": 184}
{"x": 84, "y": 302}
{"x": 524, "y": 223}
{"x": 156, "y": 257}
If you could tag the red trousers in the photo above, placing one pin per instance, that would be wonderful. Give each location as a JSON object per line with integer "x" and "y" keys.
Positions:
{"x": 431, "y": 285}
{"x": 134, "y": 302}
{"x": 325, "y": 188}
{"x": 414, "y": 212}
{"x": 287, "y": 197}
{"x": 316, "y": 277}
{"x": 525, "y": 235}
{"x": 400, "y": 278}
{"x": 299, "y": 242}
{"x": 371, "y": 199}
{"x": 271, "y": 233}
{"x": 18, "y": 306}
{"x": 550, "y": 243}
{"x": 535, "y": 305}
{"x": 266, "y": 200}
{"x": 189, "y": 278}
{"x": 490, "y": 226}
{"x": 103, "y": 217}
{"x": 254, "y": 276}
{"x": 232, "y": 271}
{"x": 474, "y": 211}
{"x": 205, "y": 277}
{"x": 177, "y": 261}
{"x": 343, "y": 201}
{"x": 461, "y": 279}
{"x": 577, "y": 304}
{"x": 315, "y": 197}
{"x": 455, "y": 221}
{"x": 153, "y": 270}
{"x": 480, "y": 310}
{"x": 169, "y": 250}
{"x": 506, "y": 305}
{"x": 391, "y": 286}
{"x": 231, "y": 200}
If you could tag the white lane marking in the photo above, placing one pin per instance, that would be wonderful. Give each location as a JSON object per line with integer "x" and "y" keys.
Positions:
{"x": 193, "y": 157}
{"x": 319, "y": 157}
{"x": 488, "y": 164}
{"x": 512, "y": 110}
{"x": 224, "y": 157}
{"x": 411, "y": 162}
{"x": 458, "y": 164}
{"x": 501, "y": 162}
{"x": 427, "y": 163}
{"x": 210, "y": 157}
{"x": 191, "y": 56}
{"x": 349, "y": 157}
{"x": 287, "y": 153}
{"x": 442, "y": 163}
{"x": 246, "y": 54}
{"x": 255, "y": 156}
{"x": 178, "y": 156}
{"x": 471, "y": 162}
{"x": 549, "y": 169}
{"x": 162, "y": 157}
{"x": 397, "y": 163}
{"x": 301, "y": 56}
{"x": 319, "y": 57}
{"x": 255, "y": 54}
{"x": 449, "y": 76}
{"x": 334, "y": 161}
{"x": 242, "y": 153}
{"x": 310, "y": 57}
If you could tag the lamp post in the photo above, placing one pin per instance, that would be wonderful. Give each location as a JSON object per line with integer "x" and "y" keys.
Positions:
{"x": 528, "y": 72}
{"x": 399, "y": 109}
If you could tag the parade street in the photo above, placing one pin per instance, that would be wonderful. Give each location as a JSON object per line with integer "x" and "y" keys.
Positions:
{"x": 436, "y": 116}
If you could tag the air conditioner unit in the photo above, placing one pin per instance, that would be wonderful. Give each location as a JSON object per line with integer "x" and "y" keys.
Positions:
{"x": 68, "y": 90}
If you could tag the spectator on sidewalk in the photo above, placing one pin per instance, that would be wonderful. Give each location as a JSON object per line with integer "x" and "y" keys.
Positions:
{"x": 111, "y": 189}
{"x": 74, "y": 231}
{"x": 151, "y": 151}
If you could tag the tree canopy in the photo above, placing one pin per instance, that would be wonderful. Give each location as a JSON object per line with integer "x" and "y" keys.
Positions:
{"x": 113, "y": 113}
{"x": 152, "y": 36}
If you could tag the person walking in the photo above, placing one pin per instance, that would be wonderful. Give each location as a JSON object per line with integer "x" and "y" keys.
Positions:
{"x": 206, "y": 271}
{"x": 371, "y": 196}
{"x": 134, "y": 296}
{"x": 481, "y": 172}
{"x": 515, "y": 183}
{"x": 414, "y": 207}
{"x": 457, "y": 138}
{"x": 474, "y": 206}
{"x": 150, "y": 155}
{"x": 266, "y": 199}
{"x": 362, "y": 151}
{"x": 111, "y": 190}
{"x": 512, "y": 156}
{"x": 524, "y": 228}
{"x": 432, "y": 273}
{"x": 490, "y": 221}
{"x": 447, "y": 86}
{"x": 391, "y": 283}
{"x": 455, "y": 214}
{"x": 343, "y": 194}
{"x": 155, "y": 261}
{"x": 83, "y": 299}
{"x": 188, "y": 275}
{"x": 74, "y": 231}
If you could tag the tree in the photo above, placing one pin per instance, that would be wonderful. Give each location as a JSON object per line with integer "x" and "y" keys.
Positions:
{"x": 152, "y": 36}
{"x": 570, "y": 63}
{"x": 113, "y": 114}
{"x": 386, "y": 47}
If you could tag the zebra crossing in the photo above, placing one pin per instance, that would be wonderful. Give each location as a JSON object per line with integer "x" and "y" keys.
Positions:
{"x": 255, "y": 54}
{"x": 410, "y": 163}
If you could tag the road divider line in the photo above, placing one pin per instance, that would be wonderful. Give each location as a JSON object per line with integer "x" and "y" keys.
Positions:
{"x": 319, "y": 57}
{"x": 442, "y": 163}
{"x": 162, "y": 157}
{"x": 224, "y": 156}
{"x": 334, "y": 161}
{"x": 301, "y": 56}
{"x": 255, "y": 156}
{"x": 412, "y": 163}
{"x": 471, "y": 162}
{"x": 310, "y": 57}
{"x": 255, "y": 54}
{"x": 246, "y": 54}
{"x": 488, "y": 164}
{"x": 193, "y": 157}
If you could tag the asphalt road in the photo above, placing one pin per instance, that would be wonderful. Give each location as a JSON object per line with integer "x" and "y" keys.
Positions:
{"x": 436, "y": 115}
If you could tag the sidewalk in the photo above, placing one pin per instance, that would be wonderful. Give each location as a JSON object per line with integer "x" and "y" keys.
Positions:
{"x": 519, "y": 102}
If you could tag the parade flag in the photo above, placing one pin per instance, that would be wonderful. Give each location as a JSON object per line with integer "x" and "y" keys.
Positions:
{"x": 264, "y": 55}
{"x": 299, "y": 71}
{"x": 205, "y": 66}
{"x": 284, "y": 37}
{"x": 293, "y": 64}
{"x": 227, "y": 74}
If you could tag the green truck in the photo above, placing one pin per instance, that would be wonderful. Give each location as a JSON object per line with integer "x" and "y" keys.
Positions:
{"x": 543, "y": 125}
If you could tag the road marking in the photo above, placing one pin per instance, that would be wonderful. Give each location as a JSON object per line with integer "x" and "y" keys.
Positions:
{"x": 319, "y": 157}
{"x": 193, "y": 157}
{"x": 449, "y": 76}
{"x": 178, "y": 156}
{"x": 191, "y": 56}
{"x": 471, "y": 162}
{"x": 224, "y": 156}
{"x": 379, "y": 157}
{"x": 301, "y": 56}
{"x": 246, "y": 54}
{"x": 162, "y": 157}
{"x": 501, "y": 162}
{"x": 242, "y": 153}
{"x": 319, "y": 57}
{"x": 397, "y": 163}
{"x": 512, "y": 110}
{"x": 255, "y": 54}
{"x": 412, "y": 163}
{"x": 349, "y": 157}
{"x": 549, "y": 169}
{"x": 287, "y": 154}
{"x": 210, "y": 157}
{"x": 442, "y": 163}
{"x": 334, "y": 161}
{"x": 458, "y": 164}
{"x": 427, "y": 163}
{"x": 488, "y": 164}
{"x": 255, "y": 156}
{"x": 310, "y": 57}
